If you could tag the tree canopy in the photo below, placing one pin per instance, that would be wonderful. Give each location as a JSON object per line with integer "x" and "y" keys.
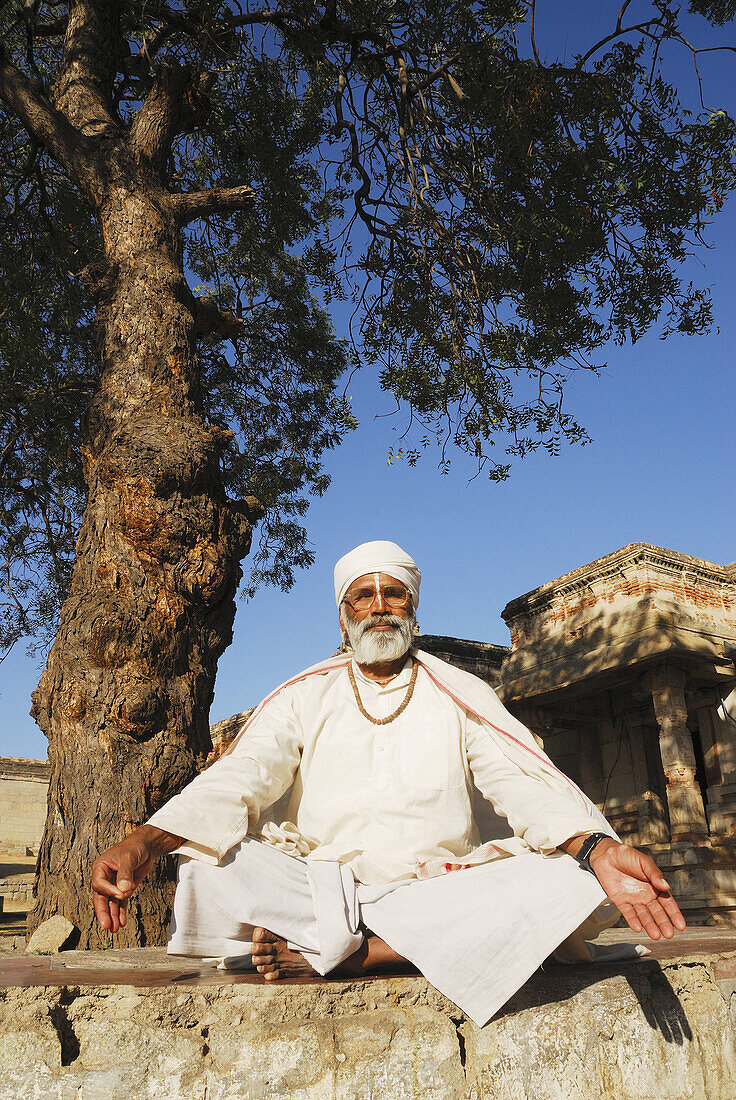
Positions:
{"x": 489, "y": 214}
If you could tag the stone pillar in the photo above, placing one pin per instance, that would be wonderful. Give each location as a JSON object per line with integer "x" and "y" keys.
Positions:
{"x": 685, "y": 802}
{"x": 652, "y": 816}
{"x": 717, "y": 741}
{"x": 539, "y": 723}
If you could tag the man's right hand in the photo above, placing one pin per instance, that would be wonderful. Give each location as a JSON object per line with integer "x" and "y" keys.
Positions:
{"x": 119, "y": 870}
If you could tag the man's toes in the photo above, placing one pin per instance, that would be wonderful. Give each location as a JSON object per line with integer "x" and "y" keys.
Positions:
{"x": 265, "y": 951}
{"x": 263, "y": 935}
{"x": 270, "y": 971}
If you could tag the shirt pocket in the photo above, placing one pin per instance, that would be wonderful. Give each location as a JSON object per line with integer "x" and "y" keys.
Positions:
{"x": 430, "y": 756}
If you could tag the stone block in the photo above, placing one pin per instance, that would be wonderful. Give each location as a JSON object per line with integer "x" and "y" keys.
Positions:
{"x": 386, "y": 1056}
{"x": 628, "y": 1038}
{"x": 335, "y": 1049}
{"x": 277, "y": 1061}
{"x": 50, "y": 936}
{"x": 30, "y": 1051}
{"x": 141, "y": 1053}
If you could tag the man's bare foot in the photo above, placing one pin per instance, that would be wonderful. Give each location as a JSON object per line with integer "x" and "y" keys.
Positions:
{"x": 372, "y": 957}
{"x": 274, "y": 959}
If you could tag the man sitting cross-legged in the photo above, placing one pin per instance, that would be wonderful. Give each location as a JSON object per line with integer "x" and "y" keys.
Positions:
{"x": 390, "y": 759}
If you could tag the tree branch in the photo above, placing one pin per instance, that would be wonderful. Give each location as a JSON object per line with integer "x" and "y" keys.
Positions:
{"x": 264, "y": 16}
{"x": 50, "y": 29}
{"x": 88, "y": 66}
{"x": 618, "y": 33}
{"x": 430, "y": 78}
{"x": 532, "y": 35}
{"x": 209, "y": 318}
{"x": 9, "y": 448}
{"x": 176, "y": 21}
{"x": 215, "y": 200}
{"x": 176, "y": 100}
{"x": 47, "y": 124}
{"x": 149, "y": 47}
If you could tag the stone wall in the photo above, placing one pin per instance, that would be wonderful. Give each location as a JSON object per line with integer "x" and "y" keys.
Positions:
{"x": 23, "y": 791}
{"x": 656, "y": 1031}
{"x": 482, "y": 659}
{"x": 16, "y": 893}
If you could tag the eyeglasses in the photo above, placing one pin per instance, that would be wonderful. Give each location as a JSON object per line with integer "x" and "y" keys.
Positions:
{"x": 393, "y": 595}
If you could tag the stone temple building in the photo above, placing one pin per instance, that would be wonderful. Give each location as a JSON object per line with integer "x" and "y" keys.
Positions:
{"x": 620, "y": 669}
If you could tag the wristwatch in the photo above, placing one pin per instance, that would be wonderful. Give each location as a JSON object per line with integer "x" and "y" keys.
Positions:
{"x": 586, "y": 849}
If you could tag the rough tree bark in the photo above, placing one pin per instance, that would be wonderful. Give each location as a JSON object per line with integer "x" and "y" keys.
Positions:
{"x": 125, "y": 696}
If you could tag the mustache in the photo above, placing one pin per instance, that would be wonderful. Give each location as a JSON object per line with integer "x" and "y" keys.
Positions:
{"x": 379, "y": 619}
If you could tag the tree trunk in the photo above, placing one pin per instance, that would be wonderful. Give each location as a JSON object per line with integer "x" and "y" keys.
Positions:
{"x": 124, "y": 699}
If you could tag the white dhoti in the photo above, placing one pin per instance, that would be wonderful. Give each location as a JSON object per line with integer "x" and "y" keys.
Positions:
{"x": 475, "y": 934}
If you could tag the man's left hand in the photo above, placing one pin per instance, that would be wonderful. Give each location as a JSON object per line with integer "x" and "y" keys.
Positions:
{"x": 637, "y": 887}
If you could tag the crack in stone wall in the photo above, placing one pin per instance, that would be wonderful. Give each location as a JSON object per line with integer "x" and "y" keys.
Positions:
{"x": 68, "y": 1038}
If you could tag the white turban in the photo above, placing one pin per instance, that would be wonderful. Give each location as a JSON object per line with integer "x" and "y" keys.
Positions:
{"x": 377, "y": 557}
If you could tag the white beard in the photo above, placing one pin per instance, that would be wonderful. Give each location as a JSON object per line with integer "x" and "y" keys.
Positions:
{"x": 373, "y": 647}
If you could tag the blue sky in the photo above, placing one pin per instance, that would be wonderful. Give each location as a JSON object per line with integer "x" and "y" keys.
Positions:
{"x": 660, "y": 469}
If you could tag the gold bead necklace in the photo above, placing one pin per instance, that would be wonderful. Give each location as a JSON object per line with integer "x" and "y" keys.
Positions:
{"x": 396, "y": 713}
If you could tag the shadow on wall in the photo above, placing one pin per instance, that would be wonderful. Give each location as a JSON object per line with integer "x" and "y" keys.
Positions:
{"x": 579, "y": 648}
{"x": 646, "y": 980}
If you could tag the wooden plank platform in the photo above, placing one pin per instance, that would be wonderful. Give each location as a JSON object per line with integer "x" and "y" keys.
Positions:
{"x": 152, "y": 968}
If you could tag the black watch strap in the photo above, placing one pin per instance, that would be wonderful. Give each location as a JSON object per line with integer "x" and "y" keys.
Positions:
{"x": 586, "y": 849}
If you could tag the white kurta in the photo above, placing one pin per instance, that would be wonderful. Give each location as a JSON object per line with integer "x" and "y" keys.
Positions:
{"x": 381, "y": 804}
{"x": 380, "y": 799}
